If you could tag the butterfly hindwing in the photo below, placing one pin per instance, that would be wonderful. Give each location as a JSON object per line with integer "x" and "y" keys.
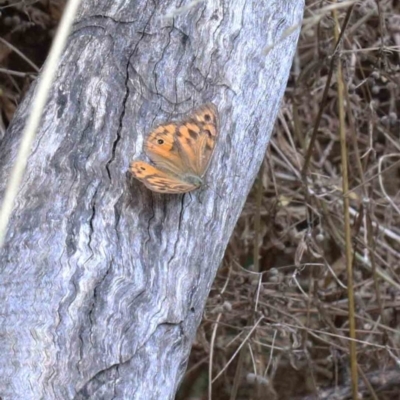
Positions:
{"x": 158, "y": 180}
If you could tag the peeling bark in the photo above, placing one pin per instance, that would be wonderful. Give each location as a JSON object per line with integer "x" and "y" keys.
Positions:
{"x": 103, "y": 282}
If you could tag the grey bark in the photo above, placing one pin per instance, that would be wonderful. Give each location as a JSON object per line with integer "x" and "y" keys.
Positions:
{"x": 103, "y": 282}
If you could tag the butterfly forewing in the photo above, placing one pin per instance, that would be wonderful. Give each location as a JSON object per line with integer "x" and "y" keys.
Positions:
{"x": 198, "y": 136}
{"x": 162, "y": 149}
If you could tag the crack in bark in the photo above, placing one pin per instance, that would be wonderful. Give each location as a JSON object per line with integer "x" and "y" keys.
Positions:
{"x": 93, "y": 384}
{"x": 156, "y": 63}
{"x": 179, "y": 229}
{"x": 125, "y": 99}
{"x": 92, "y": 216}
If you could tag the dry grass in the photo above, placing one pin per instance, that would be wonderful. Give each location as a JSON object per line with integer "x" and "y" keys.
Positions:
{"x": 277, "y": 322}
{"x": 277, "y": 326}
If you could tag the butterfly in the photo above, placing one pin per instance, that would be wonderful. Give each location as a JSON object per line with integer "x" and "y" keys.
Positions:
{"x": 180, "y": 151}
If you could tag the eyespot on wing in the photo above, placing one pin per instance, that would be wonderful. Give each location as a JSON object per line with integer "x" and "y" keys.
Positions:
{"x": 161, "y": 139}
{"x": 207, "y": 115}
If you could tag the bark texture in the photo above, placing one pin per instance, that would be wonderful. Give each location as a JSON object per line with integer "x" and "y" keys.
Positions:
{"x": 103, "y": 282}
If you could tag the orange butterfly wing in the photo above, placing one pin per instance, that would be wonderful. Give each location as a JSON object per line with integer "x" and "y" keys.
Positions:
{"x": 158, "y": 180}
{"x": 181, "y": 152}
{"x": 186, "y": 147}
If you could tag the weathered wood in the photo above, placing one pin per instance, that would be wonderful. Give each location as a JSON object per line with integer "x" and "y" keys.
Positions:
{"x": 103, "y": 283}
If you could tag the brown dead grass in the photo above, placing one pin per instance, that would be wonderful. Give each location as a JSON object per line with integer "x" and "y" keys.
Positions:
{"x": 289, "y": 315}
{"x": 276, "y": 325}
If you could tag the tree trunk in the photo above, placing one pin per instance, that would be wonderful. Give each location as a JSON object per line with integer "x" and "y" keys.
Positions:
{"x": 103, "y": 282}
